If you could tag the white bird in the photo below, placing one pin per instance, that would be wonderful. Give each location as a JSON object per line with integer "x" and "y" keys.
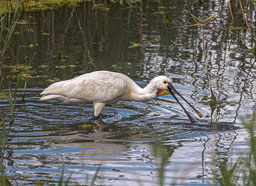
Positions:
{"x": 103, "y": 87}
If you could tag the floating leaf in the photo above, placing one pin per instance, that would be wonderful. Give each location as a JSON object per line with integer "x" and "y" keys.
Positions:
{"x": 25, "y": 75}
{"x": 61, "y": 67}
{"x": 158, "y": 13}
{"x": 135, "y": 132}
{"x": 48, "y": 176}
{"x": 40, "y": 76}
{"x": 23, "y": 22}
{"x": 134, "y": 45}
{"x": 4, "y": 95}
{"x": 22, "y": 67}
{"x": 235, "y": 28}
{"x": 53, "y": 141}
{"x": 12, "y": 77}
{"x": 31, "y": 30}
{"x": 172, "y": 7}
{"x": 14, "y": 70}
{"x": 45, "y": 34}
{"x": 200, "y": 176}
{"x": 32, "y": 166}
{"x": 72, "y": 66}
{"x": 43, "y": 66}
{"x": 100, "y": 7}
{"x": 86, "y": 126}
{"x": 53, "y": 80}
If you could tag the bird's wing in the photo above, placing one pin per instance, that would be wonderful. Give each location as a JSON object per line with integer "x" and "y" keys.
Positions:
{"x": 102, "y": 88}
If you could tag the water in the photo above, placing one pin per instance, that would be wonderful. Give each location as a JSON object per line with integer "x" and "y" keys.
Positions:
{"x": 61, "y": 44}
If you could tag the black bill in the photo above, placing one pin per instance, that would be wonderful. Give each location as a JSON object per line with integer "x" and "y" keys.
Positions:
{"x": 171, "y": 89}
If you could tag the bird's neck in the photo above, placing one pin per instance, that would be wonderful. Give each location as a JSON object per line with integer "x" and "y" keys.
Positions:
{"x": 144, "y": 94}
{"x": 150, "y": 89}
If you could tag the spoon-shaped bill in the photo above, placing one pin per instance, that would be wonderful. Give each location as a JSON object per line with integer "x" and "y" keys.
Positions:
{"x": 171, "y": 89}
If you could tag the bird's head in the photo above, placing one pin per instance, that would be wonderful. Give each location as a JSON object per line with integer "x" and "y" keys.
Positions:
{"x": 161, "y": 83}
{"x": 164, "y": 86}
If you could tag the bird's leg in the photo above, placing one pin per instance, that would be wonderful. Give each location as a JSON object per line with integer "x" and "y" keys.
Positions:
{"x": 97, "y": 109}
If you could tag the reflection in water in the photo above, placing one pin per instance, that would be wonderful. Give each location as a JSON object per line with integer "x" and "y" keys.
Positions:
{"x": 137, "y": 40}
{"x": 40, "y": 145}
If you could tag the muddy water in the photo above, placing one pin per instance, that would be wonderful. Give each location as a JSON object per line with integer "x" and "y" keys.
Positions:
{"x": 143, "y": 41}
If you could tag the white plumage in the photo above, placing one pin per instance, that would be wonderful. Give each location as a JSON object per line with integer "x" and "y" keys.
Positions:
{"x": 102, "y": 87}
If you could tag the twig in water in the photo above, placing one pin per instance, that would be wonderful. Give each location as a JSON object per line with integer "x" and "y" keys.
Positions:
{"x": 246, "y": 22}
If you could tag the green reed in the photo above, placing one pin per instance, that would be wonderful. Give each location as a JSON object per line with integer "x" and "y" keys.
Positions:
{"x": 249, "y": 160}
{"x": 63, "y": 182}
{"x": 161, "y": 154}
{"x": 8, "y": 23}
{"x": 242, "y": 171}
{"x": 7, "y": 26}
{"x": 5, "y": 129}
{"x": 226, "y": 173}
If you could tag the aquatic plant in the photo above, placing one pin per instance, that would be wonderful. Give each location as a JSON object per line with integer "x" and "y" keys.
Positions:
{"x": 8, "y": 23}
{"x": 3, "y": 143}
{"x": 161, "y": 154}
{"x": 62, "y": 180}
{"x": 228, "y": 172}
{"x": 243, "y": 170}
{"x": 5, "y": 130}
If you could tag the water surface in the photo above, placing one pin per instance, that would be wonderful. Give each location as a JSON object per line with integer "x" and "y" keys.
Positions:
{"x": 138, "y": 40}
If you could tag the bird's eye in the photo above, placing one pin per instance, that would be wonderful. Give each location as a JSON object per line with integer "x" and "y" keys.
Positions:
{"x": 165, "y": 82}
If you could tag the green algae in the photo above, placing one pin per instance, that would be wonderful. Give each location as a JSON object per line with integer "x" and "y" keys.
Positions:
{"x": 53, "y": 80}
{"x": 4, "y": 95}
{"x": 43, "y": 66}
{"x": 32, "y": 5}
{"x": 100, "y": 7}
{"x": 135, "y": 45}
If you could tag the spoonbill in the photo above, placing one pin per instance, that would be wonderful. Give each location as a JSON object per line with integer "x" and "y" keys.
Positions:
{"x": 103, "y": 87}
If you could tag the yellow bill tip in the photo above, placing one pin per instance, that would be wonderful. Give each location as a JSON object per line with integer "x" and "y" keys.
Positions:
{"x": 199, "y": 114}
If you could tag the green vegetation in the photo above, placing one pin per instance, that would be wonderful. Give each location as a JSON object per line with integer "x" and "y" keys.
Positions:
{"x": 161, "y": 154}
{"x": 243, "y": 170}
{"x": 244, "y": 167}
{"x": 32, "y": 5}
{"x": 225, "y": 173}
{"x": 8, "y": 23}
{"x": 5, "y": 130}
{"x": 62, "y": 180}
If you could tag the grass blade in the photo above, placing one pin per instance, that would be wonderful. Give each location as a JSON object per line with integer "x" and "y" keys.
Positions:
{"x": 95, "y": 176}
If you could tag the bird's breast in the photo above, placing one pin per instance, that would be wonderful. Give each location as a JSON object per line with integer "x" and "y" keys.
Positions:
{"x": 127, "y": 95}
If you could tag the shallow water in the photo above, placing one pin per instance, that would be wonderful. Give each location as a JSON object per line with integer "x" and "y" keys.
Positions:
{"x": 49, "y": 135}
{"x": 61, "y": 44}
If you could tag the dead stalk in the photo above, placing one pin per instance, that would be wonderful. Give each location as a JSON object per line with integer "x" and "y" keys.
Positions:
{"x": 203, "y": 24}
{"x": 229, "y": 6}
{"x": 246, "y": 22}
{"x": 205, "y": 62}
